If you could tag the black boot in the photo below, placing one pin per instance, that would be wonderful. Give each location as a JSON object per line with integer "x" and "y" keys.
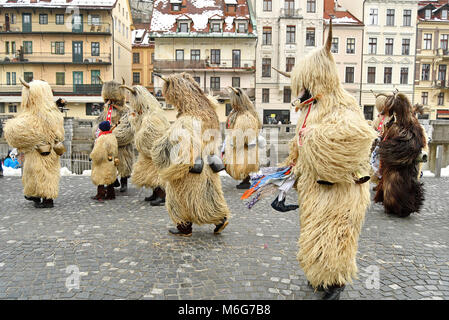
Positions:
{"x": 220, "y": 227}
{"x": 110, "y": 192}
{"x": 160, "y": 198}
{"x": 281, "y": 207}
{"x": 182, "y": 230}
{"x": 101, "y": 193}
{"x": 116, "y": 183}
{"x": 153, "y": 196}
{"x": 35, "y": 199}
{"x": 46, "y": 203}
{"x": 319, "y": 288}
{"x": 123, "y": 184}
{"x": 245, "y": 184}
{"x": 333, "y": 292}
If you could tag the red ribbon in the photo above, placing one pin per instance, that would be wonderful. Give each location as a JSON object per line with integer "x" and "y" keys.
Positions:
{"x": 310, "y": 102}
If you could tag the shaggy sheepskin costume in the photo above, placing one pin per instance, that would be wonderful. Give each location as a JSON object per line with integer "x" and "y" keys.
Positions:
{"x": 114, "y": 95}
{"x": 333, "y": 146}
{"x": 38, "y": 132}
{"x": 400, "y": 151}
{"x": 242, "y": 157}
{"x": 149, "y": 124}
{"x": 183, "y": 154}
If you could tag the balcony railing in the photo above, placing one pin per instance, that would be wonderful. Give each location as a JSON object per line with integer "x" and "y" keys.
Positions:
{"x": 167, "y": 64}
{"x": 442, "y": 84}
{"x": 52, "y": 27}
{"x": 51, "y": 58}
{"x": 441, "y": 52}
{"x": 222, "y": 93}
{"x": 69, "y": 89}
{"x": 290, "y": 13}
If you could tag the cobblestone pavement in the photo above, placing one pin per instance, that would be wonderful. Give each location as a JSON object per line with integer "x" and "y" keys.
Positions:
{"x": 123, "y": 251}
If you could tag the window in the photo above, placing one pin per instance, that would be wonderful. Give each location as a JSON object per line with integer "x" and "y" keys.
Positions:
{"x": 444, "y": 14}
{"x": 349, "y": 75}
{"x": 11, "y": 78}
{"x": 442, "y": 72}
{"x": 350, "y": 45}
{"x": 2, "y": 110}
{"x": 373, "y": 16}
{"x": 136, "y": 57}
{"x": 368, "y": 112}
{"x": 425, "y": 74}
{"x": 236, "y": 82}
{"x": 443, "y": 41}
{"x": 236, "y": 58}
{"x": 43, "y": 18}
{"x": 371, "y": 74}
{"x": 265, "y": 95}
{"x": 27, "y": 47}
{"x": 179, "y": 55}
{"x": 387, "y": 74}
{"x": 197, "y": 79}
{"x": 266, "y": 36}
{"x": 428, "y": 14}
{"x": 152, "y": 58}
{"x": 216, "y": 27}
{"x": 289, "y": 6}
{"x": 7, "y": 47}
{"x": 57, "y": 47}
{"x": 390, "y": 17}
{"x": 425, "y": 98}
{"x": 311, "y": 5}
{"x": 195, "y": 55}
{"x": 60, "y": 78}
{"x": 291, "y": 34}
{"x": 404, "y": 76}
{"x": 310, "y": 37}
{"x": 13, "y": 47}
{"x": 287, "y": 95}
{"x": 427, "y": 41}
{"x": 389, "y": 46}
{"x": 95, "y": 47}
{"x": 372, "y": 46}
{"x": 266, "y": 67}
{"x": 405, "y": 47}
{"x": 28, "y": 76}
{"x": 441, "y": 99}
{"x": 94, "y": 109}
{"x": 95, "y": 76}
{"x": 407, "y": 18}
{"x": 215, "y": 56}
{"x": 12, "y": 108}
{"x": 241, "y": 28}
{"x": 267, "y": 6}
{"x": 184, "y": 27}
{"x": 176, "y": 7}
{"x": 334, "y": 47}
{"x": 136, "y": 77}
{"x": 215, "y": 83}
{"x": 290, "y": 63}
{"x": 59, "y": 19}
{"x": 94, "y": 19}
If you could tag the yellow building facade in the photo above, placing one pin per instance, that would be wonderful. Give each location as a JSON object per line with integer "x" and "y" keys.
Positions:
{"x": 69, "y": 47}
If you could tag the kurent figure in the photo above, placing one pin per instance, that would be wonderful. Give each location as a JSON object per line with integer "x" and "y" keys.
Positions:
{"x": 116, "y": 112}
{"x": 400, "y": 152}
{"x": 333, "y": 146}
{"x": 38, "y": 132}
{"x": 187, "y": 157}
{"x": 241, "y": 152}
{"x": 149, "y": 124}
{"x": 104, "y": 162}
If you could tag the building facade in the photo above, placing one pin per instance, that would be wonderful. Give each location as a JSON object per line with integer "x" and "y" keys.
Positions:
{"x": 388, "y": 50}
{"x": 287, "y": 30}
{"x": 347, "y": 45}
{"x": 214, "y": 41}
{"x": 66, "y": 44}
{"x": 432, "y": 59}
{"x": 143, "y": 56}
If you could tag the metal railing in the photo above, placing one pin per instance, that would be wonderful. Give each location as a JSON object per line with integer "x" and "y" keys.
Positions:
{"x": 51, "y": 26}
{"x": 290, "y": 13}
{"x": 84, "y": 89}
{"x": 76, "y": 162}
{"x": 221, "y": 92}
{"x": 170, "y": 64}
{"x": 49, "y": 57}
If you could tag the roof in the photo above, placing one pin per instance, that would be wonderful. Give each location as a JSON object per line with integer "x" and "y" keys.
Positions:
{"x": 340, "y": 16}
{"x": 140, "y": 38}
{"x": 164, "y": 20}
{"x": 82, "y": 4}
{"x": 435, "y": 6}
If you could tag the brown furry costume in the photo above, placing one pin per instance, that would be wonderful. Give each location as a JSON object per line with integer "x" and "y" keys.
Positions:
{"x": 191, "y": 197}
{"x": 240, "y": 161}
{"x": 104, "y": 160}
{"x": 333, "y": 146}
{"x": 399, "y": 189}
{"x": 149, "y": 124}
{"x": 38, "y": 132}
{"x": 112, "y": 93}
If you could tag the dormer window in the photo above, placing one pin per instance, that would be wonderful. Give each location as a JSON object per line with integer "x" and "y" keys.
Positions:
{"x": 176, "y": 5}
{"x": 183, "y": 27}
{"x": 444, "y": 14}
{"x": 428, "y": 13}
{"x": 230, "y": 5}
{"x": 241, "y": 27}
{"x": 215, "y": 26}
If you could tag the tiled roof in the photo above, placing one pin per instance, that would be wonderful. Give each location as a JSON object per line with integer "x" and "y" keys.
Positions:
{"x": 340, "y": 16}
{"x": 97, "y": 4}
{"x": 164, "y": 20}
{"x": 141, "y": 38}
{"x": 435, "y": 6}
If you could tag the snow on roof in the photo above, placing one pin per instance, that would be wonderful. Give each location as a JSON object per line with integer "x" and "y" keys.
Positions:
{"x": 339, "y": 16}
{"x": 140, "y": 37}
{"x": 230, "y": 1}
{"x": 58, "y": 3}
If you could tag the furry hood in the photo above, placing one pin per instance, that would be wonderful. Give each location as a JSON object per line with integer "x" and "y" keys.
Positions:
{"x": 112, "y": 90}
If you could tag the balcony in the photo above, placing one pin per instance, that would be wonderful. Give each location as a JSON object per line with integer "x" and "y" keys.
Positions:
{"x": 221, "y": 93}
{"x": 441, "y": 53}
{"x": 222, "y": 65}
{"x": 440, "y": 84}
{"x": 52, "y": 28}
{"x": 69, "y": 89}
{"x": 290, "y": 14}
{"x": 51, "y": 58}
